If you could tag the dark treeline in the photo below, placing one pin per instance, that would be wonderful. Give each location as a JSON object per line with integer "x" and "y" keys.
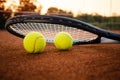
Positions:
{"x": 3, "y": 17}
{"x": 101, "y": 21}
{"x": 98, "y": 18}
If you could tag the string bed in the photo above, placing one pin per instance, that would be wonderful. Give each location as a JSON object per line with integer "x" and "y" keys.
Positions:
{"x": 50, "y": 30}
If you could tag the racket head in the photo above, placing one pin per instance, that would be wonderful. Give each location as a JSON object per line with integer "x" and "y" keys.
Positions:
{"x": 82, "y": 33}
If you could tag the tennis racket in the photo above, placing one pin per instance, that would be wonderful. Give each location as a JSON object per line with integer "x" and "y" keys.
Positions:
{"x": 49, "y": 26}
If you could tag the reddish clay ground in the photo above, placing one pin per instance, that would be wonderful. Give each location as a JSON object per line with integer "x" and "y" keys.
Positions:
{"x": 83, "y": 62}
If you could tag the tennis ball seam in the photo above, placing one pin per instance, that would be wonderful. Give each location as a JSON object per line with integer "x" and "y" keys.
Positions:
{"x": 35, "y": 44}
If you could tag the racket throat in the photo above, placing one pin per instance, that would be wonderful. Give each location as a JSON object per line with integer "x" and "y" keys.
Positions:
{"x": 94, "y": 41}
{"x": 107, "y": 40}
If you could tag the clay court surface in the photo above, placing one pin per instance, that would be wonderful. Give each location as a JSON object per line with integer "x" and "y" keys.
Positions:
{"x": 83, "y": 62}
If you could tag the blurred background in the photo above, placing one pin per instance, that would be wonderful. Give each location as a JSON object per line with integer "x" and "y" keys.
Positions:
{"x": 101, "y": 13}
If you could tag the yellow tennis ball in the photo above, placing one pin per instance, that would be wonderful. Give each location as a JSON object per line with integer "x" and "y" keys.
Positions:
{"x": 34, "y": 42}
{"x": 63, "y": 41}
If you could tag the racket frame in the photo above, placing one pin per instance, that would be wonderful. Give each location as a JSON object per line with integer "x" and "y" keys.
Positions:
{"x": 63, "y": 21}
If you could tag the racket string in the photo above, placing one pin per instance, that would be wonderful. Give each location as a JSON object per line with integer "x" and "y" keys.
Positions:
{"x": 50, "y": 30}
